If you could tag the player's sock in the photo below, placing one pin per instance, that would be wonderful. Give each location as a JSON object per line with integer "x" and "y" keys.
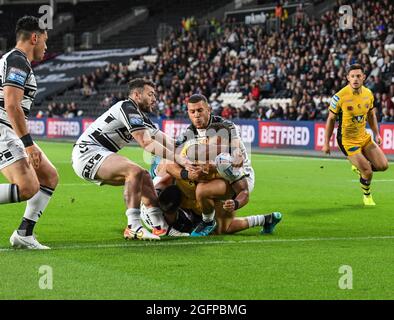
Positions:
{"x": 9, "y": 193}
{"x": 34, "y": 209}
{"x": 207, "y": 218}
{"x": 365, "y": 186}
{"x": 26, "y": 227}
{"x": 133, "y": 218}
{"x": 268, "y": 218}
{"x": 157, "y": 217}
{"x": 254, "y": 221}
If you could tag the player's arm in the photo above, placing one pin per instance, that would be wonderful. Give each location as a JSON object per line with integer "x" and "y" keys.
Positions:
{"x": 238, "y": 159}
{"x": 165, "y": 140}
{"x": 13, "y": 96}
{"x": 151, "y": 140}
{"x": 241, "y": 189}
{"x": 330, "y": 124}
{"x": 235, "y": 147}
{"x": 150, "y": 144}
{"x": 373, "y": 123}
{"x": 334, "y": 108}
{"x": 179, "y": 172}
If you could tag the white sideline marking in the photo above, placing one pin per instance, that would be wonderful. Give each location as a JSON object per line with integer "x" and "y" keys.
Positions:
{"x": 164, "y": 243}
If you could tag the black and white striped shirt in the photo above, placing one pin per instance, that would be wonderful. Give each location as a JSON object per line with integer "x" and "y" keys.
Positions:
{"x": 113, "y": 128}
{"x": 16, "y": 71}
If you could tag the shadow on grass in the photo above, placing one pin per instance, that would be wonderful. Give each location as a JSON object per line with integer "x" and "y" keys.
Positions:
{"x": 328, "y": 211}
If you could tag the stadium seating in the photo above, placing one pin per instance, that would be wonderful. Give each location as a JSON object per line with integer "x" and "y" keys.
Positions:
{"x": 230, "y": 61}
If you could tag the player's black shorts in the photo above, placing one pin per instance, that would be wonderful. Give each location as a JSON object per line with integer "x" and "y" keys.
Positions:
{"x": 186, "y": 220}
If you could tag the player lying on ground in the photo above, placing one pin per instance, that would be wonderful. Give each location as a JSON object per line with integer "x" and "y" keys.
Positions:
{"x": 95, "y": 158}
{"x": 31, "y": 175}
{"x": 354, "y": 106}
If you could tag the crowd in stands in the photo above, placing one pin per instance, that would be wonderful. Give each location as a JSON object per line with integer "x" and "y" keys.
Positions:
{"x": 305, "y": 62}
{"x": 61, "y": 110}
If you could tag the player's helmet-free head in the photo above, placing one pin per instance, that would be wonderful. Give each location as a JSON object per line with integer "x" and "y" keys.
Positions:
{"x": 170, "y": 198}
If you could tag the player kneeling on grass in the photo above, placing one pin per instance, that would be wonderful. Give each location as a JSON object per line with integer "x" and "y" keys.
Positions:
{"x": 95, "y": 158}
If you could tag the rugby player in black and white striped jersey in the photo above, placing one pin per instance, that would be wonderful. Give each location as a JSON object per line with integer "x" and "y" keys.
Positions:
{"x": 95, "y": 158}
{"x": 31, "y": 175}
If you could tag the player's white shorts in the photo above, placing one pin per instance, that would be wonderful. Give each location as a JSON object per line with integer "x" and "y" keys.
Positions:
{"x": 87, "y": 159}
{"x": 11, "y": 147}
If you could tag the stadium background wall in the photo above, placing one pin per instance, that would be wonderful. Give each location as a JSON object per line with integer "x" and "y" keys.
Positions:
{"x": 285, "y": 135}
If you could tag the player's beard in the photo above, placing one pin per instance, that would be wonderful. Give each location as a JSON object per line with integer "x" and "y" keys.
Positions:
{"x": 145, "y": 106}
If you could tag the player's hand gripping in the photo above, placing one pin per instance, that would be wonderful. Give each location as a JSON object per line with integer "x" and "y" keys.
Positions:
{"x": 35, "y": 156}
{"x": 229, "y": 205}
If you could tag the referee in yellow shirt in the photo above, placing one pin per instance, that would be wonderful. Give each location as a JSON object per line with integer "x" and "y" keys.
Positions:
{"x": 353, "y": 106}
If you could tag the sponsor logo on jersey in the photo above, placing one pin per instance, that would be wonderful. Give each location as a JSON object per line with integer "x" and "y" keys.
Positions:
{"x": 136, "y": 120}
{"x": 358, "y": 119}
{"x": 17, "y": 75}
{"x": 349, "y": 108}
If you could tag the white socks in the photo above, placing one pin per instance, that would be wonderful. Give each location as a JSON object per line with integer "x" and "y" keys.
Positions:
{"x": 37, "y": 204}
{"x": 133, "y": 218}
{"x": 255, "y": 220}
{"x": 157, "y": 217}
{"x": 208, "y": 217}
{"x": 9, "y": 193}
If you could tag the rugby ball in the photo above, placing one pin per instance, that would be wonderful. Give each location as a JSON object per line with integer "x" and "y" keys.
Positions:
{"x": 224, "y": 167}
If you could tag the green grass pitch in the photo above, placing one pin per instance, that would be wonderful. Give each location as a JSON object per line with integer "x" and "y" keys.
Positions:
{"x": 324, "y": 227}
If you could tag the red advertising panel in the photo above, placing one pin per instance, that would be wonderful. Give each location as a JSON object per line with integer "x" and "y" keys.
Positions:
{"x": 297, "y": 135}
{"x": 173, "y": 128}
{"x": 320, "y": 130}
{"x": 387, "y": 134}
{"x": 63, "y": 128}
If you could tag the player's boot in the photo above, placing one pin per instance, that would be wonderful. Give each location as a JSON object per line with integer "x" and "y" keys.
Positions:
{"x": 368, "y": 200}
{"x": 159, "y": 231}
{"x": 140, "y": 234}
{"x": 29, "y": 242}
{"x": 356, "y": 171}
{"x": 172, "y": 232}
{"x": 204, "y": 228}
{"x": 269, "y": 227}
